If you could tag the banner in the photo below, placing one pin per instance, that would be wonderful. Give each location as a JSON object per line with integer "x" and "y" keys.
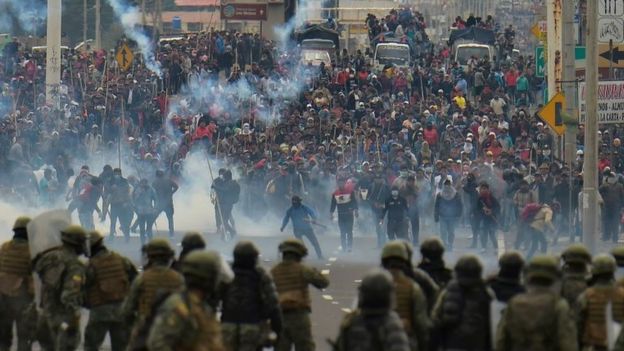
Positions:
{"x": 610, "y": 102}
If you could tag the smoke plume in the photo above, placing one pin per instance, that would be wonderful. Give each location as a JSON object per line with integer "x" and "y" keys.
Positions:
{"x": 129, "y": 17}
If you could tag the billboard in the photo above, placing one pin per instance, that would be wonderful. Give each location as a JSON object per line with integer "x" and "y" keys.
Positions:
{"x": 244, "y": 12}
{"x": 610, "y": 102}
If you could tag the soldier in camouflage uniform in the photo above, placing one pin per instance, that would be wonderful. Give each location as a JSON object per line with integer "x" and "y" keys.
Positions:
{"x": 62, "y": 278}
{"x": 461, "y": 316}
{"x": 432, "y": 251}
{"x": 411, "y": 304}
{"x": 184, "y": 321}
{"x": 291, "y": 280}
{"x": 422, "y": 278}
{"x": 540, "y": 319}
{"x": 618, "y": 254}
{"x": 190, "y": 242}
{"x": 373, "y": 325}
{"x": 108, "y": 279}
{"x": 249, "y": 303}
{"x": 592, "y": 304}
{"x": 507, "y": 284}
{"x": 156, "y": 279}
{"x": 16, "y": 288}
{"x": 576, "y": 260}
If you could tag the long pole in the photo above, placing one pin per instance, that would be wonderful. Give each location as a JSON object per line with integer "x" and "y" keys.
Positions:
{"x": 53, "y": 52}
{"x": 98, "y": 26}
{"x": 570, "y": 90}
{"x": 590, "y": 164}
{"x": 84, "y": 21}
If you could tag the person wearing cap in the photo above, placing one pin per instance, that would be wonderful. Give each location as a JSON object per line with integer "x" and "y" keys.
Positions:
{"x": 292, "y": 279}
{"x": 62, "y": 277}
{"x": 302, "y": 217}
{"x": 545, "y": 184}
{"x": 107, "y": 283}
{"x": 16, "y": 289}
{"x": 593, "y": 302}
{"x": 538, "y": 319}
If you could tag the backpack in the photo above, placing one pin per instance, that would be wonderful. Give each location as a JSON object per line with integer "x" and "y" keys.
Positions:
{"x": 529, "y": 211}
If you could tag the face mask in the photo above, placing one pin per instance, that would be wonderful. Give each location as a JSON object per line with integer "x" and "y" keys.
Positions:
{"x": 395, "y": 193}
{"x": 546, "y": 152}
{"x": 296, "y": 204}
{"x": 117, "y": 176}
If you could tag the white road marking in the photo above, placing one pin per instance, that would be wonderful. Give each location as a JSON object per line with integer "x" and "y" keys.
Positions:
{"x": 325, "y": 272}
{"x": 328, "y": 297}
{"x": 332, "y": 259}
{"x": 346, "y": 310}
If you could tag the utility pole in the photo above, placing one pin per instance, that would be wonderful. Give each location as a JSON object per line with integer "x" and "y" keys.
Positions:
{"x": 84, "y": 21}
{"x": 98, "y": 26}
{"x": 590, "y": 164}
{"x": 53, "y": 52}
{"x": 569, "y": 79}
{"x": 143, "y": 13}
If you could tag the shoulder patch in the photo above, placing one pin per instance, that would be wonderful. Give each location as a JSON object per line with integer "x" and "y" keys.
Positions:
{"x": 182, "y": 309}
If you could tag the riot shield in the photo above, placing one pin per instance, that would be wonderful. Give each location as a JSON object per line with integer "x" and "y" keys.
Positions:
{"x": 44, "y": 232}
{"x": 496, "y": 311}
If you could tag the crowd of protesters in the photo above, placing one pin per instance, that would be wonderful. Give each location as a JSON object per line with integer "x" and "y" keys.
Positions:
{"x": 439, "y": 134}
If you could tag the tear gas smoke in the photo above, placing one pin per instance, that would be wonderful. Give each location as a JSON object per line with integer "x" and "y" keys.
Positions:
{"x": 129, "y": 17}
{"x": 29, "y": 14}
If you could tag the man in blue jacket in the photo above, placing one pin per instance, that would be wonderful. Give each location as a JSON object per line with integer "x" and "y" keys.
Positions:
{"x": 302, "y": 218}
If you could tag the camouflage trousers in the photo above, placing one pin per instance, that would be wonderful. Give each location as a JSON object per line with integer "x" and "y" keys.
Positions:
{"x": 58, "y": 332}
{"x": 297, "y": 331}
{"x": 17, "y": 310}
{"x": 241, "y": 337}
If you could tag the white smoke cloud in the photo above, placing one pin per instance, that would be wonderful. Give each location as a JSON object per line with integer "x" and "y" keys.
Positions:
{"x": 29, "y": 14}
{"x": 129, "y": 17}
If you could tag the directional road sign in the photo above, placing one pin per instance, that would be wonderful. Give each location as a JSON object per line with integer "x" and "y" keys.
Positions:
{"x": 551, "y": 113}
{"x": 124, "y": 57}
{"x": 605, "y": 60}
{"x": 540, "y": 62}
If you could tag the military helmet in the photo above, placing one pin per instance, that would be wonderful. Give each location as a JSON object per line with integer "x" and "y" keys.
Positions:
{"x": 618, "y": 254}
{"x": 603, "y": 264}
{"x": 293, "y": 245}
{"x": 543, "y": 266}
{"x": 394, "y": 249}
{"x": 158, "y": 247}
{"x": 95, "y": 238}
{"x": 376, "y": 290}
{"x": 193, "y": 240}
{"x": 74, "y": 235}
{"x": 576, "y": 253}
{"x": 432, "y": 247}
{"x": 468, "y": 269}
{"x": 246, "y": 248}
{"x": 21, "y": 222}
{"x": 201, "y": 264}
{"x": 511, "y": 259}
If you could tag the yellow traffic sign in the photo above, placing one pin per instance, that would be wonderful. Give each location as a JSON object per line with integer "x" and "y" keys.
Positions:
{"x": 539, "y": 30}
{"x": 607, "y": 59}
{"x": 552, "y": 112}
{"x": 124, "y": 57}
